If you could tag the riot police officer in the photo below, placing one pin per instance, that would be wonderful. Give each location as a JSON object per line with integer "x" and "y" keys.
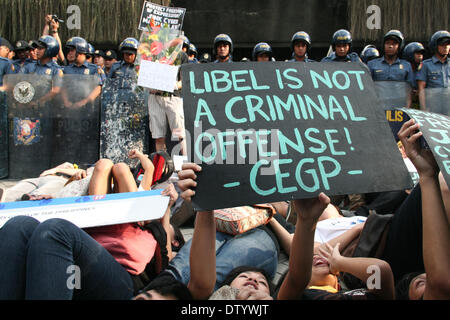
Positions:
{"x": 70, "y": 49}
{"x": 300, "y": 46}
{"x": 262, "y": 52}
{"x": 110, "y": 59}
{"x": 341, "y": 44}
{"x": 6, "y": 65}
{"x": 90, "y": 54}
{"x": 22, "y": 52}
{"x": 435, "y": 72}
{"x": 47, "y": 50}
{"x": 223, "y": 48}
{"x": 390, "y": 67}
{"x": 99, "y": 58}
{"x": 82, "y": 67}
{"x": 192, "y": 53}
{"x": 186, "y": 44}
{"x": 369, "y": 53}
{"x": 414, "y": 53}
{"x": 125, "y": 68}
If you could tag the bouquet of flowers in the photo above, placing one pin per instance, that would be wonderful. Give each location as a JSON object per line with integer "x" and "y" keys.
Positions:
{"x": 160, "y": 44}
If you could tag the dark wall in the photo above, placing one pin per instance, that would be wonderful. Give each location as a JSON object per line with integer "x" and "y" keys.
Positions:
{"x": 251, "y": 21}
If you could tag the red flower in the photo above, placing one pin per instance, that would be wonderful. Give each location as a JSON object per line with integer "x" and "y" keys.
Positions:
{"x": 156, "y": 48}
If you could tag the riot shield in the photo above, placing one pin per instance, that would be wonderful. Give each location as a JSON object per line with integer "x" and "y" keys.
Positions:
{"x": 29, "y": 102}
{"x": 3, "y": 136}
{"x": 76, "y": 124}
{"x": 438, "y": 100}
{"x": 124, "y": 120}
{"x": 392, "y": 95}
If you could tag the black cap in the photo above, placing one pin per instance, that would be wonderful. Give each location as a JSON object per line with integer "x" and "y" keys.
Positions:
{"x": 99, "y": 53}
{"x": 22, "y": 45}
{"x": 4, "y": 42}
{"x": 34, "y": 44}
{"x": 110, "y": 54}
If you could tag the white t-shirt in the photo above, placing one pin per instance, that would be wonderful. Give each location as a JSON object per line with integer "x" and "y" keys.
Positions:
{"x": 329, "y": 229}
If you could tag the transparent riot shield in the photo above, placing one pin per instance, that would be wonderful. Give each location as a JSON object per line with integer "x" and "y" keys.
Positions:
{"x": 438, "y": 100}
{"x": 3, "y": 136}
{"x": 76, "y": 121}
{"x": 392, "y": 95}
{"x": 124, "y": 120}
{"x": 29, "y": 101}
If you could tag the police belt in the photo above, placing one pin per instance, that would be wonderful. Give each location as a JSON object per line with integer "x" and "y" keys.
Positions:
{"x": 176, "y": 93}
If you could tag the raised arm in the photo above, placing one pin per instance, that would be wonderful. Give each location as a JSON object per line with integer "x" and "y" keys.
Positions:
{"x": 147, "y": 165}
{"x": 436, "y": 229}
{"x": 300, "y": 259}
{"x": 203, "y": 248}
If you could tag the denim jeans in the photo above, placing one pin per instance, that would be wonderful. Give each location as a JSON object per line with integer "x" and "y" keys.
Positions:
{"x": 57, "y": 260}
{"x": 254, "y": 248}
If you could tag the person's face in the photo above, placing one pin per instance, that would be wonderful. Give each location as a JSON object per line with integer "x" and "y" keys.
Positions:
{"x": 80, "y": 58}
{"x": 71, "y": 55}
{"x": 33, "y": 54}
{"x": 153, "y": 295}
{"x": 109, "y": 62}
{"x": 444, "y": 49}
{"x": 223, "y": 49}
{"x": 4, "y": 51}
{"x": 391, "y": 47}
{"x": 342, "y": 49}
{"x": 300, "y": 49}
{"x": 320, "y": 273}
{"x": 129, "y": 57}
{"x": 22, "y": 54}
{"x": 99, "y": 60}
{"x": 40, "y": 52}
{"x": 417, "y": 287}
{"x": 418, "y": 57}
{"x": 251, "y": 279}
{"x": 263, "y": 57}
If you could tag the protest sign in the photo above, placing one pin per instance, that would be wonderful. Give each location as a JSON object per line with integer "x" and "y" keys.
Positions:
{"x": 436, "y": 133}
{"x": 91, "y": 211}
{"x": 266, "y": 132}
{"x": 171, "y": 16}
{"x": 157, "y": 76}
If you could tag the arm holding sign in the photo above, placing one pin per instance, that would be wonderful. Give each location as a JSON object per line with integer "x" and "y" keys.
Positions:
{"x": 436, "y": 229}
{"x": 203, "y": 249}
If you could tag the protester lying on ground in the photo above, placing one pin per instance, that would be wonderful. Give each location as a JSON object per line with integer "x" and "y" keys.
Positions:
{"x": 39, "y": 259}
{"x": 245, "y": 282}
{"x": 49, "y": 183}
{"x": 434, "y": 283}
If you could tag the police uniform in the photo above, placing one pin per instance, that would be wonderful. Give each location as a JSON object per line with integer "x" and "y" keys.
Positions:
{"x": 435, "y": 73}
{"x": 306, "y": 60}
{"x": 50, "y": 69}
{"x": 351, "y": 57}
{"x": 19, "y": 64}
{"x": 6, "y": 67}
{"x": 122, "y": 69}
{"x": 400, "y": 70}
{"x": 86, "y": 69}
{"x": 228, "y": 61}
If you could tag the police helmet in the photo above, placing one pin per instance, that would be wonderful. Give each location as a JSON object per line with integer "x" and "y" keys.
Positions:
{"x": 369, "y": 52}
{"x": 341, "y": 36}
{"x": 411, "y": 49}
{"x": 186, "y": 42}
{"x": 261, "y": 48}
{"x": 72, "y": 42}
{"x": 129, "y": 45}
{"x": 437, "y": 38}
{"x": 51, "y": 46}
{"x": 301, "y": 36}
{"x": 82, "y": 46}
{"x": 193, "y": 50}
{"x": 397, "y": 36}
{"x": 222, "y": 38}
{"x": 91, "y": 50}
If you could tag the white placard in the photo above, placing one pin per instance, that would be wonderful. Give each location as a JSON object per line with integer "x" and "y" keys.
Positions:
{"x": 92, "y": 211}
{"x": 158, "y": 76}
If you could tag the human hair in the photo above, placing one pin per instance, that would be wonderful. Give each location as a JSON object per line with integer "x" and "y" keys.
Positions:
{"x": 402, "y": 286}
{"x": 167, "y": 285}
{"x": 238, "y": 270}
